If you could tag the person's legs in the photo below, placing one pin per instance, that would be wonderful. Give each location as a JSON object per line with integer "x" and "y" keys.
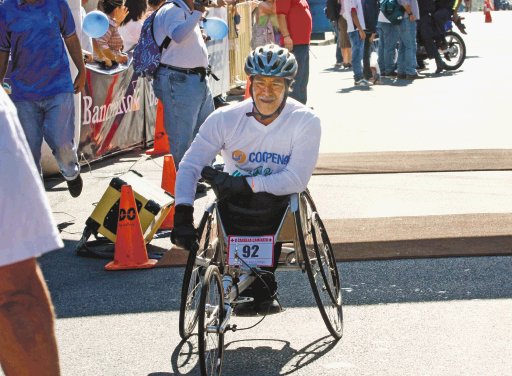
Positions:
{"x": 367, "y": 49}
{"x": 390, "y": 36}
{"x": 357, "y": 54}
{"x": 339, "y": 57}
{"x": 31, "y": 117}
{"x": 425, "y": 28}
{"x": 27, "y": 337}
{"x": 441, "y": 17}
{"x": 406, "y": 64}
{"x": 181, "y": 95}
{"x": 59, "y": 132}
{"x": 300, "y": 85}
{"x": 344, "y": 42}
{"x": 382, "y": 43}
{"x": 207, "y": 107}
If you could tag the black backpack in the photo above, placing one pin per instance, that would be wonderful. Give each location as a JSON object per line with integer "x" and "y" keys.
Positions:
{"x": 332, "y": 10}
{"x": 393, "y": 11}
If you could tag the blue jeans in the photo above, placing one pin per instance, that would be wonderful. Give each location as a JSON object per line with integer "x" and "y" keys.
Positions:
{"x": 388, "y": 38}
{"x": 187, "y": 102}
{"x": 406, "y": 62}
{"x": 300, "y": 85}
{"x": 53, "y": 119}
{"x": 357, "y": 54}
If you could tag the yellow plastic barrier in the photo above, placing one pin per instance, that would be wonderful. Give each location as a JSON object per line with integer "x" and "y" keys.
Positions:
{"x": 239, "y": 45}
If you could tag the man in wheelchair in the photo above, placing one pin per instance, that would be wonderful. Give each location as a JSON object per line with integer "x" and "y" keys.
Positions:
{"x": 269, "y": 144}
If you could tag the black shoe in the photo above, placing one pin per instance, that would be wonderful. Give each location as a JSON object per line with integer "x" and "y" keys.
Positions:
{"x": 440, "y": 68}
{"x": 267, "y": 307}
{"x": 401, "y": 76}
{"x": 413, "y": 76}
{"x": 389, "y": 74}
{"x": 75, "y": 186}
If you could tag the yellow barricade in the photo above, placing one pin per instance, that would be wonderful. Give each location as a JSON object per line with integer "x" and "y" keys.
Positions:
{"x": 239, "y": 43}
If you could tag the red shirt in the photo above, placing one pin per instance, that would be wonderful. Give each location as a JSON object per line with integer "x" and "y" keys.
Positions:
{"x": 298, "y": 19}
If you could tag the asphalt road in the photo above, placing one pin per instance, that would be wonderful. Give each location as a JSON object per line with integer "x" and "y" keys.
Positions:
{"x": 443, "y": 316}
{"x": 424, "y": 316}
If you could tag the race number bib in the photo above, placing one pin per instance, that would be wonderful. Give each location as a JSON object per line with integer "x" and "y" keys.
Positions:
{"x": 254, "y": 250}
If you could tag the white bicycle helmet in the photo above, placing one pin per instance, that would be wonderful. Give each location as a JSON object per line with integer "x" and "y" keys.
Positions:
{"x": 271, "y": 60}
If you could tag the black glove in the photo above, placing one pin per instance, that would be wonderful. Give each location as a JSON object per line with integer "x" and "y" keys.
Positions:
{"x": 225, "y": 185}
{"x": 184, "y": 233}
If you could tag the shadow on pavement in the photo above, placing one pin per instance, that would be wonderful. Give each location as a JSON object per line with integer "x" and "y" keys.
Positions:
{"x": 81, "y": 287}
{"x": 268, "y": 356}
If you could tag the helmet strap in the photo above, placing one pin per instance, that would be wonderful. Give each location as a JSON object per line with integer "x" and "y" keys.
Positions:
{"x": 256, "y": 112}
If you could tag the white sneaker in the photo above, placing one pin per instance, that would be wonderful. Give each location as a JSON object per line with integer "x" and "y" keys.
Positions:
{"x": 361, "y": 82}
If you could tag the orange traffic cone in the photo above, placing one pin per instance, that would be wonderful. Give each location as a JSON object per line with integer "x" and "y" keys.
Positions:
{"x": 487, "y": 11}
{"x": 130, "y": 248}
{"x": 168, "y": 185}
{"x": 161, "y": 142}
{"x": 488, "y": 17}
{"x": 247, "y": 93}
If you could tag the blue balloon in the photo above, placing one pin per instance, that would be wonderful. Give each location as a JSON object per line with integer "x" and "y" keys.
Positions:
{"x": 215, "y": 27}
{"x": 95, "y": 24}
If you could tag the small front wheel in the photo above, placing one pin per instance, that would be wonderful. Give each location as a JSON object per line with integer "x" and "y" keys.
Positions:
{"x": 211, "y": 315}
{"x": 195, "y": 270}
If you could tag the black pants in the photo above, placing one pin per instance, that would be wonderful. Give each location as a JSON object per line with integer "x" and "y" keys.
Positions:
{"x": 255, "y": 215}
{"x": 426, "y": 33}
{"x": 367, "y": 50}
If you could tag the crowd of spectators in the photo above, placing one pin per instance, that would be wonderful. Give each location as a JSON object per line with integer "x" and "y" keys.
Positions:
{"x": 396, "y": 53}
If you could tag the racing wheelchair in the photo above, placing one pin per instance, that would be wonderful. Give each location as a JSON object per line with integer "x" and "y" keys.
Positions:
{"x": 228, "y": 261}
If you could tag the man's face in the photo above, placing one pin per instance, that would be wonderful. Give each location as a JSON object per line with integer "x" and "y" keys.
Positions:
{"x": 268, "y": 93}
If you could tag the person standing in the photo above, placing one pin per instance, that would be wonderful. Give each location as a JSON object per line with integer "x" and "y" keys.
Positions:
{"x": 371, "y": 13}
{"x": 34, "y": 33}
{"x": 181, "y": 81}
{"x": 332, "y": 12}
{"x": 406, "y": 61}
{"x": 27, "y": 229}
{"x": 353, "y": 13}
{"x": 427, "y": 33}
{"x": 388, "y": 39}
{"x": 296, "y": 24}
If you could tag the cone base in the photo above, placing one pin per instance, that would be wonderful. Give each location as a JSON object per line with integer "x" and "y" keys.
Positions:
{"x": 112, "y": 265}
{"x": 156, "y": 152}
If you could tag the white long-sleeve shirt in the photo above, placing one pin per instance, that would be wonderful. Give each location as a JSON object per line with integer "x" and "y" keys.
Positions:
{"x": 278, "y": 158}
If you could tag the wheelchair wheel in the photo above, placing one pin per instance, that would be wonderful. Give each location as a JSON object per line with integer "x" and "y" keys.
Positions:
{"x": 320, "y": 265}
{"x": 456, "y": 52}
{"x": 211, "y": 315}
{"x": 195, "y": 269}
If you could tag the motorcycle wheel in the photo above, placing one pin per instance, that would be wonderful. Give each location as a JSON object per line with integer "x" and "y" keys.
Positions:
{"x": 455, "y": 54}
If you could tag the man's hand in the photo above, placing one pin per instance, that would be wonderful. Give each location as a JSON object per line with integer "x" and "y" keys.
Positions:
{"x": 79, "y": 83}
{"x": 184, "y": 234}
{"x": 225, "y": 185}
{"x": 288, "y": 43}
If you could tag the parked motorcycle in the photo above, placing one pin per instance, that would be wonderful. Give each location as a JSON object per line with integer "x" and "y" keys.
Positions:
{"x": 453, "y": 52}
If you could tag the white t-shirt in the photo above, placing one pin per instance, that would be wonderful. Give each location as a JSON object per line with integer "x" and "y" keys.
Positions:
{"x": 279, "y": 157}
{"x": 130, "y": 32}
{"x": 187, "y": 48}
{"x": 27, "y": 228}
{"x": 348, "y": 5}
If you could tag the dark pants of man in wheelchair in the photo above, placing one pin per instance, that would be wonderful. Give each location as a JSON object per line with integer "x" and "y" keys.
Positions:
{"x": 256, "y": 214}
